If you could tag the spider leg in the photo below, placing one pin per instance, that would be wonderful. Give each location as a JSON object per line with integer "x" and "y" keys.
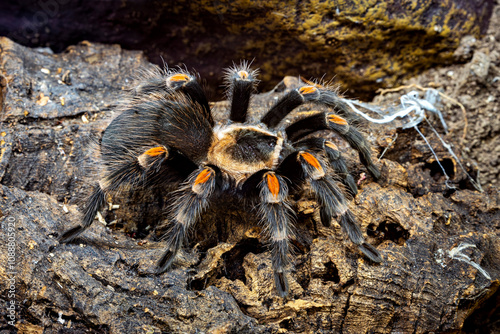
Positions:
{"x": 241, "y": 82}
{"x": 334, "y": 156}
{"x": 289, "y": 102}
{"x": 312, "y": 93}
{"x": 152, "y": 158}
{"x": 193, "y": 198}
{"x": 277, "y": 216}
{"x": 172, "y": 120}
{"x": 165, "y": 83}
{"x": 330, "y": 121}
{"x": 125, "y": 176}
{"x": 303, "y": 166}
{"x": 188, "y": 85}
{"x": 149, "y": 168}
{"x": 94, "y": 204}
{"x": 299, "y": 129}
{"x": 156, "y": 166}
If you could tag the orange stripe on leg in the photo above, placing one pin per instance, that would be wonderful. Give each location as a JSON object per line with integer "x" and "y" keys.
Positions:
{"x": 311, "y": 160}
{"x": 153, "y": 152}
{"x": 273, "y": 184}
{"x": 331, "y": 145}
{"x": 337, "y": 120}
{"x": 204, "y": 176}
{"x": 179, "y": 77}
{"x": 307, "y": 90}
{"x": 151, "y": 156}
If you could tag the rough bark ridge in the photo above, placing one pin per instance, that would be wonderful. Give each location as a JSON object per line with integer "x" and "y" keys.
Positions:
{"x": 440, "y": 248}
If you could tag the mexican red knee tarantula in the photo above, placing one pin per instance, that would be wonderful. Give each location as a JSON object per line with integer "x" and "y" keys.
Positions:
{"x": 166, "y": 135}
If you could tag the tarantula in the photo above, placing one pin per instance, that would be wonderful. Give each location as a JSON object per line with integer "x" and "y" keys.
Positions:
{"x": 166, "y": 136}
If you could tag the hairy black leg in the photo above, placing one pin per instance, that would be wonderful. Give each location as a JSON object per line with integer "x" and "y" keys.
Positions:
{"x": 289, "y": 102}
{"x": 155, "y": 166}
{"x": 304, "y": 166}
{"x": 94, "y": 204}
{"x": 163, "y": 165}
{"x": 152, "y": 159}
{"x": 192, "y": 199}
{"x": 350, "y": 226}
{"x": 312, "y": 93}
{"x": 188, "y": 85}
{"x": 126, "y": 175}
{"x": 339, "y": 166}
{"x": 330, "y": 121}
{"x": 331, "y": 99}
{"x": 241, "y": 82}
{"x": 131, "y": 171}
{"x": 277, "y": 217}
{"x": 304, "y": 127}
{"x": 334, "y": 156}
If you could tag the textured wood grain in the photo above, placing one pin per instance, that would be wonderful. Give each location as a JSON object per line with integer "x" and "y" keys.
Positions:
{"x": 223, "y": 283}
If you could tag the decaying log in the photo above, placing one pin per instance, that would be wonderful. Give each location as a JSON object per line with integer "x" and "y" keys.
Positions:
{"x": 440, "y": 249}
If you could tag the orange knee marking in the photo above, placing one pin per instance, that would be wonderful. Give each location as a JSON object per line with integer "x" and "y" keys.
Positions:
{"x": 273, "y": 184}
{"x": 204, "y": 176}
{"x": 331, "y": 145}
{"x": 307, "y": 90}
{"x": 153, "y": 152}
{"x": 243, "y": 74}
{"x": 337, "y": 120}
{"x": 179, "y": 77}
{"x": 311, "y": 160}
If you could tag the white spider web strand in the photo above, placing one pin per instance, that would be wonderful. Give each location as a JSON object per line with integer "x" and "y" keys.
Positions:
{"x": 412, "y": 112}
{"x": 437, "y": 159}
{"x": 476, "y": 185}
{"x": 456, "y": 254}
{"x": 388, "y": 146}
{"x": 386, "y": 119}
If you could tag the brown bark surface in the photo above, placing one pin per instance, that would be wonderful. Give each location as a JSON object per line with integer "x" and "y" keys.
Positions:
{"x": 440, "y": 247}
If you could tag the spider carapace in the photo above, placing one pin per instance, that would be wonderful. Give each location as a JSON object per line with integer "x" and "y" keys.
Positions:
{"x": 166, "y": 135}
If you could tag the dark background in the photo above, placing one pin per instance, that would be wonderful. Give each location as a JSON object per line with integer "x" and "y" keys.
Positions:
{"x": 364, "y": 47}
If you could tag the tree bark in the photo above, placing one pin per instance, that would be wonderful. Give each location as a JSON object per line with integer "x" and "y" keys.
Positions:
{"x": 440, "y": 248}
